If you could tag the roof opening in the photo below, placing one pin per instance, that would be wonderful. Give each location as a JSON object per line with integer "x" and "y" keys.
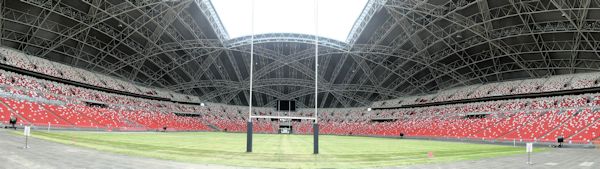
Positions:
{"x": 336, "y": 17}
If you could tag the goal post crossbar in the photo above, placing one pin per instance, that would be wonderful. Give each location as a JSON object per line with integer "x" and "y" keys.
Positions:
{"x": 284, "y": 117}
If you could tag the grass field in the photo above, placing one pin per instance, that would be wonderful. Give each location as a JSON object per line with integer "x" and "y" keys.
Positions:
{"x": 280, "y": 151}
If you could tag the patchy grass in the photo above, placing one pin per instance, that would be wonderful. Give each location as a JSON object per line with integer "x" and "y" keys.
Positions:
{"x": 280, "y": 151}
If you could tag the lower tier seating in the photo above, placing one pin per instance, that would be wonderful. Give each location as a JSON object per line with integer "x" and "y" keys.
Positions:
{"x": 542, "y": 119}
{"x": 81, "y": 116}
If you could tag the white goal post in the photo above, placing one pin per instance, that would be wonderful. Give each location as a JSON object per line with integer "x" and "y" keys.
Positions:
{"x": 315, "y": 119}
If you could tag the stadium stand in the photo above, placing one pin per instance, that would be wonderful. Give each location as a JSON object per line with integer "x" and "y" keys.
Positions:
{"x": 40, "y": 102}
{"x": 18, "y": 59}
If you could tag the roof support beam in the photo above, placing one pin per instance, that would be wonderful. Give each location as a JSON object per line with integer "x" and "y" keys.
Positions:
{"x": 528, "y": 19}
{"x": 40, "y": 19}
{"x": 460, "y": 21}
{"x": 577, "y": 20}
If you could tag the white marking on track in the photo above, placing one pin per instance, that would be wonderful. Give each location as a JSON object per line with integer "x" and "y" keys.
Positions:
{"x": 586, "y": 164}
{"x": 551, "y": 164}
{"x": 70, "y": 150}
{"x": 22, "y": 161}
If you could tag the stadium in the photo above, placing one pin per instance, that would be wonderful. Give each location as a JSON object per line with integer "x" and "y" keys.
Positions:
{"x": 299, "y": 84}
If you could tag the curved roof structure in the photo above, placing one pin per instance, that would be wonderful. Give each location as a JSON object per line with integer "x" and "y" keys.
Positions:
{"x": 396, "y": 47}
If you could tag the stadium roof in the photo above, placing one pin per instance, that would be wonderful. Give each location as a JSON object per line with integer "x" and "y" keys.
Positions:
{"x": 395, "y": 48}
{"x": 288, "y": 16}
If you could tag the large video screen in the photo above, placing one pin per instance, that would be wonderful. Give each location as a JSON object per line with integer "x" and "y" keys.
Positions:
{"x": 286, "y": 105}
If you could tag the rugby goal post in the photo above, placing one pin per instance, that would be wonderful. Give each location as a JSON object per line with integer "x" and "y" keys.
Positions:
{"x": 249, "y": 126}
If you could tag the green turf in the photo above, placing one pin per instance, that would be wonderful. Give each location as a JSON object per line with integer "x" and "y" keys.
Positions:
{"x": 280, "y": 151}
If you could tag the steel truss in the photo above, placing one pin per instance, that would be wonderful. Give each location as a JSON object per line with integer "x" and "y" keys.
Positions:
{"x": 417, "y": 47}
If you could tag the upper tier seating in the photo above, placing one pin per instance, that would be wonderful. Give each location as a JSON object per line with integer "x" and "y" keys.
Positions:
{"x": 18, "y": 59}
{"x": 549, "y": 84}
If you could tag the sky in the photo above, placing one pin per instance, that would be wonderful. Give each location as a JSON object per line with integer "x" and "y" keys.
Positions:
{"x": 336, "y": 17}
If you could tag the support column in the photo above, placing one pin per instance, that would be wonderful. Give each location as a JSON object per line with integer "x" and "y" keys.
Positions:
{"x": 249, "y": 126}
{"x": 249, "y": 137}
{"x": 315, "y": 138}
{"x": 316, "y": 120}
